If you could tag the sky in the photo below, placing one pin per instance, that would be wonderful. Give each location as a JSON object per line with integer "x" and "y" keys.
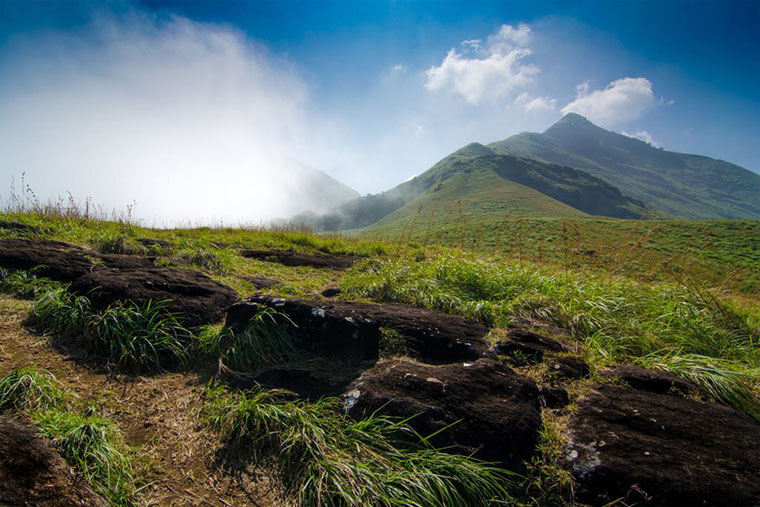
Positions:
{"x": 188, "y": 109}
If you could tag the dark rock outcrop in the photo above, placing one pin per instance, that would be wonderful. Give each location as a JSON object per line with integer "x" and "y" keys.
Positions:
{"x": 288, "y": 258}
{"x": 18, "y": 226}
{"x": 485, "y": 407}
{"x": 651, "y": 380}
{"x": 569, "y": 368}
{"x": 196, "y": 298}
{"x": 31, "y": 473}
{"x": 349, "y": 330}
{"x": 662, "y": 450}
{"x": 149, "y": 242}
{"x": 105, "y": 278}
{"x": 528, "y": 343}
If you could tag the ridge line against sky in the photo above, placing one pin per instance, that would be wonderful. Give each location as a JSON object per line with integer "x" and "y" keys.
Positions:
{"x": 161, "y": 92}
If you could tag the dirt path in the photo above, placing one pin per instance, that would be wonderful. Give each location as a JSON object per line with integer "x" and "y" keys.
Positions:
{"x": 157, "y": 415}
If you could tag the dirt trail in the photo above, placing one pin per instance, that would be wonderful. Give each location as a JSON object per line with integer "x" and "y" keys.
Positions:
{"x": 175, "y": 454}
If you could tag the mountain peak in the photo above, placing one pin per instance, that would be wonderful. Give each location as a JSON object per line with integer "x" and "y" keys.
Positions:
{"x": 571, "y": 120}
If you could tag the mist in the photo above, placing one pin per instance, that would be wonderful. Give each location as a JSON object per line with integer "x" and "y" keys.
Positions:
{"x": 191, "y": 121}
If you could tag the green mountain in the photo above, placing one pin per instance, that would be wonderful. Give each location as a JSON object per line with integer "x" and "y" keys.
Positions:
{"x": 477, "y": 182}
{"x": 688, "y": 186}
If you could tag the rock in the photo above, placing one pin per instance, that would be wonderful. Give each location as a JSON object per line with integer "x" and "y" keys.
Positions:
{"x": 351, "y": 330}
{"x": 331, "y": 292}
{"x": 18, "y": 226}
{"x": 491, "y": 410}
{"x": 570, "y": 368}
{"x": 528, "y": 343}
{"x": 31, "y": 473}
{"x": 673, "y": 451}
{"x": 61, "y": 261}
{"x": 651, "y": 380}
{"x": 288, "y": 258}
{"x": 554, "y": 397}
{"x": 307, "y": 383}
{"x": 105, "y": 278}
{"x": 196, "y": 298}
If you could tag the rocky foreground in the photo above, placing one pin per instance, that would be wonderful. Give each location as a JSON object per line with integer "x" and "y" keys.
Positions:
{"x": 643, "y": 436}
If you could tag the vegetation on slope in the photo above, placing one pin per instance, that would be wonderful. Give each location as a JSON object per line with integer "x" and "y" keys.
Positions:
{"x": 688, "y": 186}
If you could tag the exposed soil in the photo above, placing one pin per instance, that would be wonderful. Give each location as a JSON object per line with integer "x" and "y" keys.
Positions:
{"x": 288, "y": 258}
{"x": 177, "y": 455}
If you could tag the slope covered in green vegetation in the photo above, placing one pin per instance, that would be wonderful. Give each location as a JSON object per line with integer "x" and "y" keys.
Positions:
{"x": 316, "y": 451}
{"x": 688, "y": 186}
{"x": 478, "y": 181}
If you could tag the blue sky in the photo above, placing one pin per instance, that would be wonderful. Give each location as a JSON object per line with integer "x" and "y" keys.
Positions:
{"x": 371, "y": 92}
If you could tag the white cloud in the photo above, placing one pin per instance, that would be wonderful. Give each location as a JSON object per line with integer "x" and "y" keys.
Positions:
{"x": 621, "y": 101}
{"x": 189, "y": 119}
{"x": 486, "y": 73}
{"x": 534, "y": 104}
{"x": 643, "y": 135}
{"x": 398, "y": 68}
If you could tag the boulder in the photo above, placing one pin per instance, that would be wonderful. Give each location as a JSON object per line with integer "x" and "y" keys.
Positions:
{"x": 19, "y": 227}
{"x": 31, "y": 473}
{"x": 569, "y": 368}
{"x": 314, "y": 260}
{"x": 193, "y": 296}
{"x": 653, "y": 381}
{"x": 105, "y": 278}
{"x": 656, "y": 449}
{"x": 59, "y": 261}
{"x": 348, "y": 330}
{"x": 522, "y": 341}
{"x": 483, "y": 407}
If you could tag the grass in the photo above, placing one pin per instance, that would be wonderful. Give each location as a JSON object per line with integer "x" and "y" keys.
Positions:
{"x": 138, "y": 336}
{"x": 262, "y": 342}
{"x": 89, "y": 443}
{"x": 31, "y": 388}
{"x": 24, "y": 284}
{"x": 617, "y": 320}
{"x": 325, "y": 458}
{"x": 94, "y": 447}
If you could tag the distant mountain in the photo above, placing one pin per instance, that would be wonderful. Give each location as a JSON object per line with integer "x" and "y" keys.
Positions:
{"x": 309, "y": 189}
{"x": 477, "y": 183}
{"x": 688, "y": 186}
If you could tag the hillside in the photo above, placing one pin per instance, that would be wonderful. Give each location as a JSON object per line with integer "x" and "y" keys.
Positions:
{"x": 478, "y": 182}
{"x": 309, "y": 189}
{"x": 231, "y": 367}
{"x": 687, "y": 186}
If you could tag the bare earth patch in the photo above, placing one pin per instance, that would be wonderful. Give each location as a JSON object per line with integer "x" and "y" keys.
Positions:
{"x": 175, "y": 454}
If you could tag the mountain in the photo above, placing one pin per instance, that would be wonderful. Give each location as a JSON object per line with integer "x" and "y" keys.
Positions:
{"x": 476, "y": 182}
{"x": 309, "y": 189}
{"x": 688, "y": 186}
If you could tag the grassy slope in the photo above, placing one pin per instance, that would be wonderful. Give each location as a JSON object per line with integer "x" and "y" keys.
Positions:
{"x": 689, "y": 186}
{"x": 508, "y": 184}
{"x": 674, "y": 326}
{"x": 718, "y": 253}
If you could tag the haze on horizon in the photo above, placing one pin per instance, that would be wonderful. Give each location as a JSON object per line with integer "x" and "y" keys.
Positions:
{"x": 191, "y": 109}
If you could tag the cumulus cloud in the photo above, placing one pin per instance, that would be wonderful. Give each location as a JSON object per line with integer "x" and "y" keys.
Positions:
{"x": 643, "y": 135}
{"x": 534, "y": 104}
{"x": 189, "y": 119}
{"x": 620, "y": 101}
{"x": 486, "y": 72}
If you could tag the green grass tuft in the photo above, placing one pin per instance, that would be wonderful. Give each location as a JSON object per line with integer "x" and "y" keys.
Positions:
{"x": 31, "y": 388}
{"x": 325, "y": 458}
{"x": 94, "y": 446}
{"x": 25, "y": 284}
{"x": 262, "y": 342}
